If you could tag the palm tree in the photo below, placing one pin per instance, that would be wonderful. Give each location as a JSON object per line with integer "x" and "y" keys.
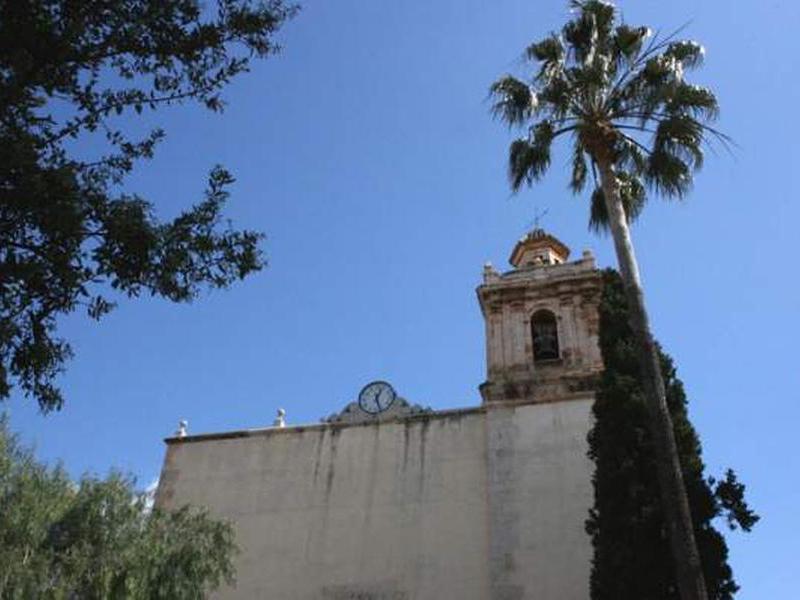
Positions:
{"x": 619, "y": 94}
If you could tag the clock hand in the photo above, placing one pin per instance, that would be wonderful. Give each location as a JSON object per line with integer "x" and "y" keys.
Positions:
{"x": 378, "y": 399}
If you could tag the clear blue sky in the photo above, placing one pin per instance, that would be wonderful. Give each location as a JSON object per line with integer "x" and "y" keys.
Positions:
{"x": 366, "y": 154}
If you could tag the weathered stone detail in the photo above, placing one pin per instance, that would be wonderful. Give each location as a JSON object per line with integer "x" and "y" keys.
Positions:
{"x": 399, "y": 409}
{"x": 571, "y": 291}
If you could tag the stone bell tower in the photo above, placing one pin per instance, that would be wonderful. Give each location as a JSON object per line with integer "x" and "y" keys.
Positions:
{"x": 541, "y": 324}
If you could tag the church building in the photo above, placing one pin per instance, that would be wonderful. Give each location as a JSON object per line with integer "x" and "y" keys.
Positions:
{"x": 386, "y": 500}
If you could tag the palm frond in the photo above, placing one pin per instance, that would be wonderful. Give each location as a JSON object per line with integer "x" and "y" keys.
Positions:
{"x": 681, "y": 136}
{"x": 548, "y": 50}
{"x": 689, "y": 53}
{"x": 589, "y": 33}
{"x": 668, "y": 174}
{"x": 631, "y": 154}
{"x": 550, "y": 53}
{"x": 660, "y": 85}
{"x": 696, "y": 100}
{"x": 629, "y": 40}
{"x": 529, "y": 159}
{"x": 579, "y": 169}
{"x": 516, "y": 102}
{"x": 557, "y": 97}
{"x": 592, "y": 78}
{"x": 632, "y": 194}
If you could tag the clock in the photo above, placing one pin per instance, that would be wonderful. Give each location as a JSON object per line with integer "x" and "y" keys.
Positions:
{"x": 376, "y": 397}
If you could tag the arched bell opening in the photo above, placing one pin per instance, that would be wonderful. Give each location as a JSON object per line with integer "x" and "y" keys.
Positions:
{"x": 544, "y": 330}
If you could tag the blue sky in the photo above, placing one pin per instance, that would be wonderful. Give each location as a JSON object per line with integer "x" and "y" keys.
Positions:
{"x": 366, "y": 153}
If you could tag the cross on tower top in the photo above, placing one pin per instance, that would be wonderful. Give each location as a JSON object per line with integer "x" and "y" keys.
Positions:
{"x": 538, "y": 216}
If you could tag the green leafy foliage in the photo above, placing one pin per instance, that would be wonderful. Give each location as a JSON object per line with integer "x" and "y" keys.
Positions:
{"x": 68, "y": 233}
{"x": 97, "y": 539}
{"x": 621, "y": 94}
{"x": 632, "y": 557}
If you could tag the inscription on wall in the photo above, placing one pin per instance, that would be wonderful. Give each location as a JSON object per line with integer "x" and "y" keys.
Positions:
{"x": 363, "y": 592}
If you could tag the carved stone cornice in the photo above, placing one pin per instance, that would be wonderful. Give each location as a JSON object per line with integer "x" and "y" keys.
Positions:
{"x": 400, "y": 409}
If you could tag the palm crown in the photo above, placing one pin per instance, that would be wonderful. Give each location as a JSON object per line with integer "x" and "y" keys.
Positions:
{"x": 621, "y": 98}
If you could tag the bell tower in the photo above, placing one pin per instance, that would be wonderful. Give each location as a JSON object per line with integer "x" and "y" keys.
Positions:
{"x": 541, "y": 323}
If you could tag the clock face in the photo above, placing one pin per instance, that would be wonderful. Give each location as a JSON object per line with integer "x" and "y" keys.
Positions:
{"x": 376, "y": 397}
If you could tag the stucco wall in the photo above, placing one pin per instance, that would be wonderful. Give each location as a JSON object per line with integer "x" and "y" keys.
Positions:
{"x": 482, "y": 503}
{"x": 539, "y": 496}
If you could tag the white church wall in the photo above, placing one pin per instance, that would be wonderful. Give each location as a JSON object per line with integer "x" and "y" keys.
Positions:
{"x": 539, "y": 496}
{"x": 393, "y": 511}
{"x": 472, "y": 504}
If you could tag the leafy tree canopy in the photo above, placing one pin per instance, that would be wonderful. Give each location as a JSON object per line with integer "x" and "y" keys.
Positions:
{"x": 72, "y": 69}
{"x": 632, "y": 557}
{"x": 97, "y": 539}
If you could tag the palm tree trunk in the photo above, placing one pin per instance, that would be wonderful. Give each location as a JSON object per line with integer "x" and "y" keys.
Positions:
{"x": 675, "y": 503}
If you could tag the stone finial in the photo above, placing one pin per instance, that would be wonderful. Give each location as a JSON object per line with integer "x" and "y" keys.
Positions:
{"x": 588, "y": 258}
{"x": 489, "y": 272}
{"x": 280, "y": 420}
{"x": 183, "y": 426}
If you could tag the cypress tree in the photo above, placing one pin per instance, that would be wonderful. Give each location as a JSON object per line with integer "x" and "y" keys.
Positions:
{"x": 632, "y": 558}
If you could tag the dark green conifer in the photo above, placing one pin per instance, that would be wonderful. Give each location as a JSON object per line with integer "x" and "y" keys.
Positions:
{"x": 632, "y": 558}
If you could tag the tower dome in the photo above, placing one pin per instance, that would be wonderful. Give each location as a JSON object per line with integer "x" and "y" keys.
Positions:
{"x": 538, "y": 248}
